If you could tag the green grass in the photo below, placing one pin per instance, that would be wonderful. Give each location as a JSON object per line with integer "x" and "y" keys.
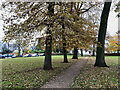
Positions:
{"x": 28, "y": 72}
{"x": 98, "y": 77}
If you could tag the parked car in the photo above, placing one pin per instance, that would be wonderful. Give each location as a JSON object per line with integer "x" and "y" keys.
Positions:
{"x": 14, "y": 56}
{"x": 20, "y": 56}
{"x": 34, "y": 55}
{"x": 42, "y": 54}
{"x": 1, "y": 56}
{"x": 7, "y": 56}
{"x": 27, "y": 55}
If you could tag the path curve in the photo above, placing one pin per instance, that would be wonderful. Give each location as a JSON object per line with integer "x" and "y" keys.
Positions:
{"x": 65, "y": 78}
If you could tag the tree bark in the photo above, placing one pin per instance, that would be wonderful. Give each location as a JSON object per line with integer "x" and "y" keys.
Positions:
{"x": 75, "y": 54}
{"x": 100, "y": 57}
{"x": 48, "y": 52}
{"x": 81, "y": 52}
{"x": 64, "y": 50}
{"x": 93, "y": 54}
{"x": 64, "y": 42}
{"x": 64, "y": 47}
{"x": 39, "y": 44}
{"x": 19, "y": 50}
{"x": 118, "y": 52}
{"x": 8, "y": 47}
{"x": 48, "y": 49}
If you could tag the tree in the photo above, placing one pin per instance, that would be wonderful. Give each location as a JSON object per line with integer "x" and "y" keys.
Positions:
{"x": 113, "y": 44}
{"x": 79, "y": 9}
{"x": 100, "y": 58}
{"x": 81, "y": 52}
{"x": 48, "y": 50}
{"x": 72, "y": 31}
{"x": 35, "y": 18}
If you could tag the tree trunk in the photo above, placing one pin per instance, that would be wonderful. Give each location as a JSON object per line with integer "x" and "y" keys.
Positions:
{"x": 8, "y": 48}
{"x": 93, "y": 54}
{"x": 118, "y": 52}
{"x": 39, "y": 44}
{"x": 64, "y": 51}
{"x": 64, "y": 43}
{"x": 48, "y": 49}
{"x": 19, "y": 49}
{"x": 75, "y": 54}
{"x": 100, "y": 58}
{"x": 81, "y": 52}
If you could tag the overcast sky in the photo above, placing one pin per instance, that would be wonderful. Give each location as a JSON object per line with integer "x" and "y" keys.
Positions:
{"x": 112, "y": 24}
{"x": 112, "y": 27}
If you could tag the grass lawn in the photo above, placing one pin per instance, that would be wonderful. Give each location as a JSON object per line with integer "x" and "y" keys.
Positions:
{"x": 98, "y": 77}
{"x": 28, "y": 72}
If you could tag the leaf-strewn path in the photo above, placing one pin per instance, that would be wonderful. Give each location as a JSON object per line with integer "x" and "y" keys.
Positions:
{"x": 65, "y": 79}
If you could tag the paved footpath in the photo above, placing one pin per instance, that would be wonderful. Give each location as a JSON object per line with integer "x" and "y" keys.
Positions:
{"x": 65, "y": 78}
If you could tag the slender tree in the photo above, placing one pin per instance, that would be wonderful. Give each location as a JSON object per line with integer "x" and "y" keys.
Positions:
{"x": 100, "y": 58}
{"x": 81, "y": 52}
{"x": 93, "y": 52}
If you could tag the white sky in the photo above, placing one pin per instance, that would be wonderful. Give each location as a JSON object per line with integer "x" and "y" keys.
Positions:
{"x": 112, "y": 27}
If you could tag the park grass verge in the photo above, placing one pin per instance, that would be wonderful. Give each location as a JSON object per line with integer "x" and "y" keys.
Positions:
{"x": 28, "y": 72}
{"x": 98, "y": 77}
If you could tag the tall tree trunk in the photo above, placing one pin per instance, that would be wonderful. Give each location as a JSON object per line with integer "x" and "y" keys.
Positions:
{"x": 64, "y": 50}
{"x": 19, "y": 49}
{"x": 64, "y": 44}
{"x": 93, "y": 54}
{"x": 118, "y": 52}
{"x": 75, "y": 54}
{"x": 81, "y": 52}
{"x": 39, "y": 44}
{"x": 48, "y": 49}
{"x": 8, "y": 48}
{"x": 100, "y": 57}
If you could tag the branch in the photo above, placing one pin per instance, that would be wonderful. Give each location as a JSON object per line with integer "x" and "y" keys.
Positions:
{"x": 87, "y": 9}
